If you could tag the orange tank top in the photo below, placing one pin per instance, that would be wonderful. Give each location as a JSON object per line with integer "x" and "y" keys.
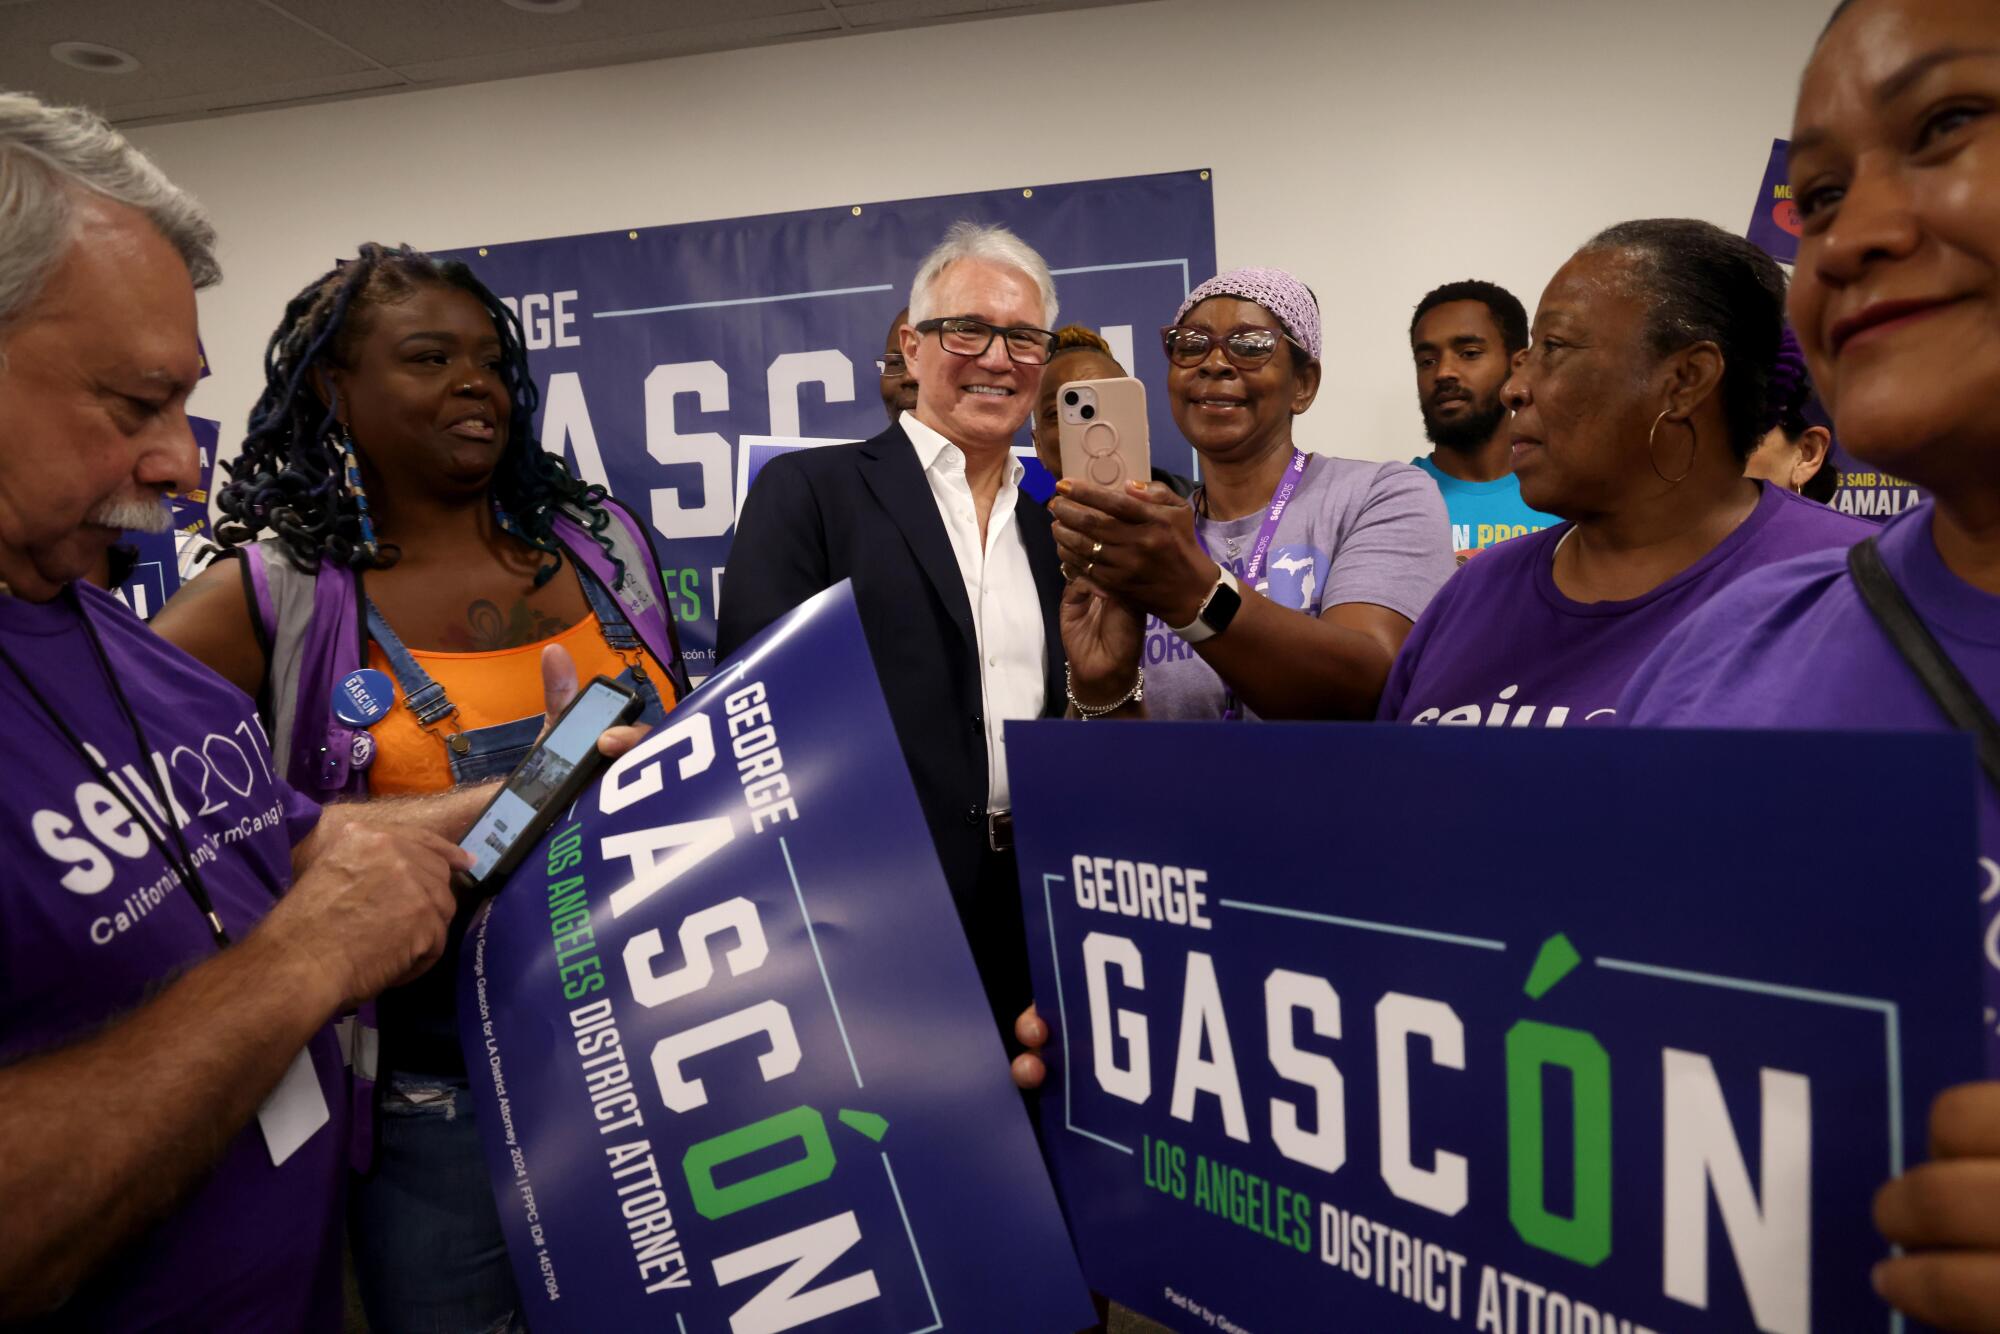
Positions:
{"x": 489, "y": 688}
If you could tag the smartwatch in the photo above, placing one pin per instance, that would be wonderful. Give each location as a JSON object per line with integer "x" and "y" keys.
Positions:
{"x": 1217, "y": 610}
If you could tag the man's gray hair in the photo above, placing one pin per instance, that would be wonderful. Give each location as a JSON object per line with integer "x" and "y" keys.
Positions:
{"x": 993, "y": 244}
{"x": 50, "y": 153}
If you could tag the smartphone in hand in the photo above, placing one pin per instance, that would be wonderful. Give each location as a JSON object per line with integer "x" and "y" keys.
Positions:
{"x": 1101, "y": 431}
{"x": 544, "y": 784}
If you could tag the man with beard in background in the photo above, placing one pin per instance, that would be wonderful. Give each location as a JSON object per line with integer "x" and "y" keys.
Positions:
{"x": 1464, "y": 336}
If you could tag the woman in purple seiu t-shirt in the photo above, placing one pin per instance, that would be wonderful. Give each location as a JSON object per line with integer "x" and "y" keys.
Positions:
{"x": 1895, "y": 168}
{"x": 1640, "y": 395}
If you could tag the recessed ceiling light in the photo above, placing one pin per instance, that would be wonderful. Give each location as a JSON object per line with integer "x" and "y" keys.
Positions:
{"x": 95, "y": 57}
{"x": 542, "y": 6}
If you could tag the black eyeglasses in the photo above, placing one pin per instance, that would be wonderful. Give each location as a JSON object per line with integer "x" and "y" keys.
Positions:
{"x": 1247, "y": 346}
{"x": 965, "y": 337}
{"x": 890, "y": 363}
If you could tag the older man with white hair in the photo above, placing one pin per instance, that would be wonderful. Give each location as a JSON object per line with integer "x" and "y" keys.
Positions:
{"x": 177, "y": 926}
{"x": 957, "y": 579}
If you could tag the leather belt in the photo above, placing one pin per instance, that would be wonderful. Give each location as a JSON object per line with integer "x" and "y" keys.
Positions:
{"x": 1000, "y": 831}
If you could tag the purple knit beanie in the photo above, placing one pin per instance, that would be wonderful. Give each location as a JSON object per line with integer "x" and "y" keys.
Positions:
{"x": 1273, "y": 289}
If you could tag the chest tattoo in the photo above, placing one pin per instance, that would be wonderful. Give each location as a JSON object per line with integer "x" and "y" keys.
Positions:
{"x": 489, "y": 627}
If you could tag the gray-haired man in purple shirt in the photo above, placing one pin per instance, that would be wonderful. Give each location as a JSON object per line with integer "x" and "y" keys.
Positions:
{"x": 177, "y": 926}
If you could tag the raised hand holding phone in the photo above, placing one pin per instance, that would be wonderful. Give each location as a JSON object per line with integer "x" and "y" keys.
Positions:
{"x": 1101, "y": 430}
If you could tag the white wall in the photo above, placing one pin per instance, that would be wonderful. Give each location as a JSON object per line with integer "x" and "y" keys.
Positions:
{"x": 1374, "y": 147}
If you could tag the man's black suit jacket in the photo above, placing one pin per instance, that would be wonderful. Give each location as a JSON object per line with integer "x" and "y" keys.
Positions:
{"x": 866, "y": 512}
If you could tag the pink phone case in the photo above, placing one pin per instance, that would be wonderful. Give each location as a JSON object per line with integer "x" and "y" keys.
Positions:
{"x": 1101, "y": 430}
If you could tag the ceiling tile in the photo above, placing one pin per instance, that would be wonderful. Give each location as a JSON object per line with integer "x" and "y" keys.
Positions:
{"x": 211, "y": 57}
{"x": 875, "y": 13}
{"x": 399, "y": 33}
{"x": 186, "y": 48}
{"x": 618, "y": 50}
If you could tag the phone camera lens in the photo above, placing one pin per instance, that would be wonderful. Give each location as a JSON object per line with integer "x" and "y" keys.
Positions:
{"x": 1072, "y": 398}
{"x": 1088, "y": 412}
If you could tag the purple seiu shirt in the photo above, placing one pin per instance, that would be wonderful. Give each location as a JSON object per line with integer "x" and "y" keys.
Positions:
{"x": 93, "y": 922}
{"x": 1502, "y": 646}
{"x": 1794, "y": 646}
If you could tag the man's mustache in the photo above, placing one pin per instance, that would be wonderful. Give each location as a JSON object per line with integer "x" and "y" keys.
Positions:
{"x": 142, "y": 514}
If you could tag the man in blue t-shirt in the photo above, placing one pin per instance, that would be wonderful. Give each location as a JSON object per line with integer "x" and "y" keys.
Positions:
{"x": 1464, "y": 336}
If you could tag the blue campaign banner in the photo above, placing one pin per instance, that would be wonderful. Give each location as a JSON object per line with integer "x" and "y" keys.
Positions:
{"x": 161, "y": 562}
{"x": 659, "y": 349}
{"x": 1597, "y": 1048}
{"x": 734, "y": 1066}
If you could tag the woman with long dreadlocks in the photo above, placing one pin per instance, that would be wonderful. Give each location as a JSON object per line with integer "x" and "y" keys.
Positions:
{"x": 417, "y": 530}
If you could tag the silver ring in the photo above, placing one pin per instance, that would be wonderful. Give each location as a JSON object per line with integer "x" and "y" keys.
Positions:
{"x": 1096, "y": 550}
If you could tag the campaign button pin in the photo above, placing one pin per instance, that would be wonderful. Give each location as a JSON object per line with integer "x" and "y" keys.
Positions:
{"x": 364, "y": 698}
{"x": 361, "y": 753}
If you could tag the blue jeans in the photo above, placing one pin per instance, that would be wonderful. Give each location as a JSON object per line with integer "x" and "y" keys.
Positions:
{"x": 428, "y": 1251}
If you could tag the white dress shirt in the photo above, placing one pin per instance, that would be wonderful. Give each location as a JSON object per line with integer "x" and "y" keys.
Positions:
{"x": 1006, "y": 606}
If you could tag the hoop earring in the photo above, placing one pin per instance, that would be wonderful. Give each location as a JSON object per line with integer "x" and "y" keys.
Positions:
{"x": 1694, "y": 443}
{"x": 355, "y": 493}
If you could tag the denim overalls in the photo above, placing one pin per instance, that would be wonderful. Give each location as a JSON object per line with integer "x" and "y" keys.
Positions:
{"x": 429, "y": 1194}
{"x": 484, "y": 753}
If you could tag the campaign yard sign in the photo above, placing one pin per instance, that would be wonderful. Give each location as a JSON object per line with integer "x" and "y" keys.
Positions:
{"x": 1774, "y": 218}
{"x": 1597, "y": 1048}
{"x": 162, "y": 562}
{"x": 734, "y": 1066}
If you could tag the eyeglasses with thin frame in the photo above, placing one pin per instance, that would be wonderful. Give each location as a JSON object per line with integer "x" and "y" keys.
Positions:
{"x": 890, "y": 363}
{"x": 963, "y": 336}
{"x": 1247, "y": 346}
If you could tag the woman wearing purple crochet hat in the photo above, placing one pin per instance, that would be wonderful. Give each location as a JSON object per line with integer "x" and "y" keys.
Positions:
{"x": 1285, "y": 588}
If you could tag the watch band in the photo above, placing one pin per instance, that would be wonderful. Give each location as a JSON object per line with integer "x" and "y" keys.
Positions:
{"x": 1218, "y": 609}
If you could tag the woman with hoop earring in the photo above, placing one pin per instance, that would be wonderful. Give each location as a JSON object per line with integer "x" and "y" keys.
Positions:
{"x": 1643, "y": 390}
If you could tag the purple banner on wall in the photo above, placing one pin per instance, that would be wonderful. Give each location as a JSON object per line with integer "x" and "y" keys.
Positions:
{"x": 658, "y": 349}
{"x": 734, "y": 1065}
